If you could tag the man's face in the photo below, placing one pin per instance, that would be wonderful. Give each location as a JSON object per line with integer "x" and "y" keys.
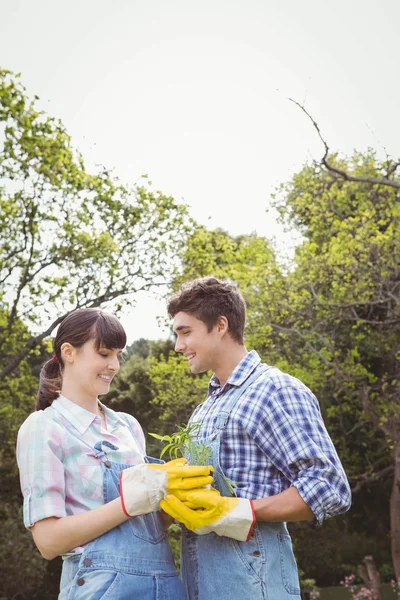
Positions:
{"x": 200, "y": 346}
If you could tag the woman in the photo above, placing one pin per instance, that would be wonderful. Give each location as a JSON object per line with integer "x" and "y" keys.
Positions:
{"x": 89, "y": 491}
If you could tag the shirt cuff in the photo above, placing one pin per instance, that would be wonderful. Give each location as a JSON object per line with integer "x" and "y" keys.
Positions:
{"x": 322, "y": 500}
{"x": 37, "y": 509}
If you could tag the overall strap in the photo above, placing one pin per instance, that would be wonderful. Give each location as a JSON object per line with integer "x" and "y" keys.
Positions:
{"x": 224, "y": 415}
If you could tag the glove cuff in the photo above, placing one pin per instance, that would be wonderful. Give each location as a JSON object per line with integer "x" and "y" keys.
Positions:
{"x": 240, "y": 521}
{"x": 237, "y": 524}
{"x": 141, "y": 490}
{"x": 254, "y": 520}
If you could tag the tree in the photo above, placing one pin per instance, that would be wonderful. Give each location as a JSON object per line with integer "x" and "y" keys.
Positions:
{"x": 344, "y": 306}
{"x": 176, "y": 390}
{"x": 306, "y": 337}
{"x": 68, "y": 238}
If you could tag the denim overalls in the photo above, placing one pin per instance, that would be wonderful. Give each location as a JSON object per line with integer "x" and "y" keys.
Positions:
{"x": 212, "y": 566}
{"x": 131, "y": 561}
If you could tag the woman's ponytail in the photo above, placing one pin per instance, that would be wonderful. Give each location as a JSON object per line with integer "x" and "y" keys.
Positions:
{"x": 49, "y": 384}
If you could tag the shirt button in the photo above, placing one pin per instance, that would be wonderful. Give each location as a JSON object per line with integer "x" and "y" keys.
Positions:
{"x": 87, "y": 562}
{"x": 108, "y": 464}
{"x": 80, "y": 581}
{"x": 255, "y": 553}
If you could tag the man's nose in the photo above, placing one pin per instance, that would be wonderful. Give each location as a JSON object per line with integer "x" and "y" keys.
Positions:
{"x": 179, "y": 345}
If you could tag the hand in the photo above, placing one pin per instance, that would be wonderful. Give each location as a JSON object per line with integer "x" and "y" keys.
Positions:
{"x": 232, "y": 517}
{"x": 166, "y": 520}
{"x": 183, "y": 495}
{"x": 181, "y": 476}
{"x": 143, "y": 486}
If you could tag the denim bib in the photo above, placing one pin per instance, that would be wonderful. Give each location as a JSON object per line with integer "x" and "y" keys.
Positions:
{"x": 132, "y": 560}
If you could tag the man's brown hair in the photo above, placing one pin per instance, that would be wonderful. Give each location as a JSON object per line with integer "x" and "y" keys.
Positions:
{"x": 208, "y": 298}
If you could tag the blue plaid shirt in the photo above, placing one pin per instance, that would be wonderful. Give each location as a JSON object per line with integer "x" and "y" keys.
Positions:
{"x": 275, "y": 438}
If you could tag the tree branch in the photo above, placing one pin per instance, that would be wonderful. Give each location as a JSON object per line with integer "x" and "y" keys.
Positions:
{"x": 372, "y": 180}
{"x": 366, "y": 478}
{"x": 90, "y": 303}
{"x": 31, "y": 343}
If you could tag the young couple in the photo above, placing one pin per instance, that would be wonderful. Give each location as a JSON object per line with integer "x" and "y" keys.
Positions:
{"x": 93, "y": 496}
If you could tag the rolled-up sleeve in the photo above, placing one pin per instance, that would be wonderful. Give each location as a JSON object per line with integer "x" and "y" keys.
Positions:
{"x": 292, "y": 433}
{"x": 39, "y": 457}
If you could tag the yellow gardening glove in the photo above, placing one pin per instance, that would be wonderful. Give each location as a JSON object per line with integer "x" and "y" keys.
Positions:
{"x": 143, "y": 486}
{"x": 182, "y": 495}
{"x": 181, "y": 476}
{"x": 231, "y": 517}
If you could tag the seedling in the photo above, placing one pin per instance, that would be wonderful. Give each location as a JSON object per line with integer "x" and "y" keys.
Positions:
{"x": 182, "y": 444}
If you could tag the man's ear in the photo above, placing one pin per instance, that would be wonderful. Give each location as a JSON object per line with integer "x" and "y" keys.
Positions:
{"x": 67, "y": 353}
{"x": 222, "y": 325}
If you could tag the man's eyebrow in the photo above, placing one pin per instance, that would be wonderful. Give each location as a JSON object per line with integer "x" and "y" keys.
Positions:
{"x": 180, "y": 327}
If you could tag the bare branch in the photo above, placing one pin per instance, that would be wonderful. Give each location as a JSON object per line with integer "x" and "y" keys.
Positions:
{"x": 366, "y": 478}
{"x": 307, "y": 344}
{"x": 89, "y": 303}
{"x": 353, "y": 304}
{"x": 372, "y": 180}
{"x": 388, "y": 427}
{"x": 31, "y": 343}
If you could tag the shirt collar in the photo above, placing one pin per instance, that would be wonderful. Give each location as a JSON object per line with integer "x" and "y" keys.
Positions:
{"x": 239, "y": 373}
{"x": 81, "y": 418}
{"x": 113, "y": 419}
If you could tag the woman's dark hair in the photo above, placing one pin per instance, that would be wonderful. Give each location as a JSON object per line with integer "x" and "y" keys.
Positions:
{"x": 208, "y": 298}
{"x": 77, "y": 328}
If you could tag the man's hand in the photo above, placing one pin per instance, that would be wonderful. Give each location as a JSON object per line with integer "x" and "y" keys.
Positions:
{"x": 231, "y": 517}
{"x": 183, "y": 496}
{"x": 143, "y": 486}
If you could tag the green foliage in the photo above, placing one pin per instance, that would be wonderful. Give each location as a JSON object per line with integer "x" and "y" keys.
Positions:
{"x": 174, "y": 539}
{"x": 133, "y": 390}
{"x": 331, "y": 318}
{"x": 69, "y": 238}
{"x": 248, "y": 260}
{"x": 176, "y": 390}
{"x": 183, "y": 443}
{"x": 17, "y": 543}
{"x": 344, "y": 305}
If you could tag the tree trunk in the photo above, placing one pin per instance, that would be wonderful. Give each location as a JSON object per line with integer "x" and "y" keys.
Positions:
{"x": 395, "y": 512}
{"x": 370, "y": 575}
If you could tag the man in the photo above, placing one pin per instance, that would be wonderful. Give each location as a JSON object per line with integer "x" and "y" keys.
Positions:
{"x": 266, "y": 438}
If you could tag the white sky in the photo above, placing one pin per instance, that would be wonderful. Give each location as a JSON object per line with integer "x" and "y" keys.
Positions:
{"x": 195, "y": 93}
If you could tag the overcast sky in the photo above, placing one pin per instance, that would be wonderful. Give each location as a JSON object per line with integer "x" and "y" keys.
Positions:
{"x": 195, "y": 94}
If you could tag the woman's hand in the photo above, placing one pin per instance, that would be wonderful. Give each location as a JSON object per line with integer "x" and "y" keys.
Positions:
{"x": 143, "y": 486}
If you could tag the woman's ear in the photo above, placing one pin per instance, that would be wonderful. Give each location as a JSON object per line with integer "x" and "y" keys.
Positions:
{"x": 67, "y": 353}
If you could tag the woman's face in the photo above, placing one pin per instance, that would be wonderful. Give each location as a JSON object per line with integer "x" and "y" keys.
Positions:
{"x": 91, "y": 370}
